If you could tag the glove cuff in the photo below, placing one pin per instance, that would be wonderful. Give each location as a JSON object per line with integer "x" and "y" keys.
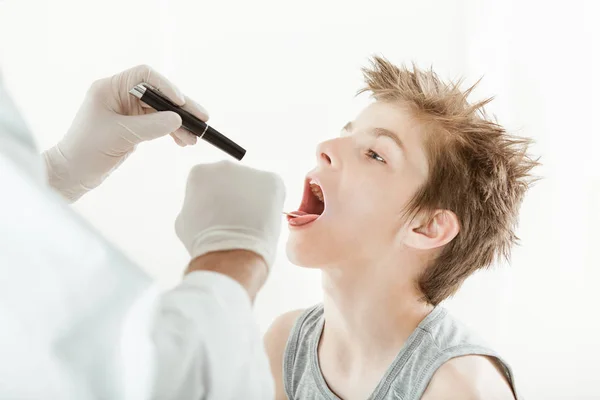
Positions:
{"x": 59, "y": 176}
{"x": 222, "y": 238}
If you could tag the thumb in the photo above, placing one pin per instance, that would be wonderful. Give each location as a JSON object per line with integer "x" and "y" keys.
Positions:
{"x": 154, "y": 125}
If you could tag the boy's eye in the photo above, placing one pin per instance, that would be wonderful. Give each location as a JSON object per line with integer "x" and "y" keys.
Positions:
{"x": 375, "y": 156}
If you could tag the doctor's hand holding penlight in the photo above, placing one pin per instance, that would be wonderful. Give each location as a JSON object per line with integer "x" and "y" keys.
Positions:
{"x": 152, "y": 97}
{"x": 110, "y": 124}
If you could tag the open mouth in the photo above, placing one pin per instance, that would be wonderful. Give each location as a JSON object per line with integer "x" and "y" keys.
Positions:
{"x": 312, "y": 205}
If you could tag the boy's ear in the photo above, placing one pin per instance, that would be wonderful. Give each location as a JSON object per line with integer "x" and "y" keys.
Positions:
{"x": 434, "y": 232}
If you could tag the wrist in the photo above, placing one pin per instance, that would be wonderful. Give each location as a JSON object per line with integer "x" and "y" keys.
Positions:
{"x": 222, "y": 237}
{"x": 59, "y": 174}
{"x": 247, "y": 268}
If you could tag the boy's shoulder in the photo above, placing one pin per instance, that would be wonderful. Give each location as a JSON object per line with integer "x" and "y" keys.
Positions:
{"x": 282, "y": 326}
{"x": 472, "y": 377}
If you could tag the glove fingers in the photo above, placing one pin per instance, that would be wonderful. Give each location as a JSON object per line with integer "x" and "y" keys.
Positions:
{"x": 195, "y": 109}
{"x": 190, "y": 105}
{"x": 183, "y": 136}
{"x": 145, "y": 73}
{"x": 140, "y": 128}
{"x": 177, "y": 140}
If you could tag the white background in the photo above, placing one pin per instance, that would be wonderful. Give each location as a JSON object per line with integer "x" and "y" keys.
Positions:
{"x": 278, "y": 77}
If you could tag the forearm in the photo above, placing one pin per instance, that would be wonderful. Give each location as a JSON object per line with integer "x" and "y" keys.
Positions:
{"x": 245, "y": 267}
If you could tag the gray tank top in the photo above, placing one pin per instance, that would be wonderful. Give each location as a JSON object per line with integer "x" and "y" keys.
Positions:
{"x": 437, "y": 339}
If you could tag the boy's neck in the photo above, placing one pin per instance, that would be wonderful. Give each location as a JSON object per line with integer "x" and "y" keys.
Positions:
{"x": 370, "y": 312}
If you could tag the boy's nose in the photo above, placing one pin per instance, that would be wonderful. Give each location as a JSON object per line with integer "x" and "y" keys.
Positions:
{"x": 326, "y": 154}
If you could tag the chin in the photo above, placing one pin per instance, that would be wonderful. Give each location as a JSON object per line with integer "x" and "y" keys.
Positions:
{"x": 316, "y": 249}
{"x": 307, "y": 252}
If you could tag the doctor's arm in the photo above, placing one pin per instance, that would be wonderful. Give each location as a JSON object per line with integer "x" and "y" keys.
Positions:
{"x": 208, "y": 342}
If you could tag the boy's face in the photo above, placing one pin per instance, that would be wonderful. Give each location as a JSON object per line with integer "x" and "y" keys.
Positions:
{"x": 367, "y": 175}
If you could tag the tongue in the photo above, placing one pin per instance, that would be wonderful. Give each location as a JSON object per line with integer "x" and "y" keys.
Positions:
{"x": 301, "y": 218}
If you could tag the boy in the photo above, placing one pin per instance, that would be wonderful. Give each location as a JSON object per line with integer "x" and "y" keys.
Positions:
{"x": 418, "y": 192}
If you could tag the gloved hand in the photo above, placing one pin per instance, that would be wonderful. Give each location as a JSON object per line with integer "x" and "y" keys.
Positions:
{"x": 228, "y": 206}
{"x": 108, "y": 127}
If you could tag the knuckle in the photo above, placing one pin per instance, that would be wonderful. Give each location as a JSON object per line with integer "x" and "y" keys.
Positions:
{"x": 97, "y": 88}
{"x": 225, "y": 164}
{"x": 96, "y": 85}
{"x": 196, "y": 170}
{"x": 205, "y": 169}
{"x": 144, "y": 68}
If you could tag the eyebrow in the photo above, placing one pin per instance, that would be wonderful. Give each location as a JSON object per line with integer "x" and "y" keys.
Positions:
{"x": 380, "y": 132}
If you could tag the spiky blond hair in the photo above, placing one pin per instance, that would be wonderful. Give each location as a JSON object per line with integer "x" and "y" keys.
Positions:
{"x": 477, "y": 171}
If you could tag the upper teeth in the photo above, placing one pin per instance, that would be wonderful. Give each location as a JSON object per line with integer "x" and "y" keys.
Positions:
{"x": 316, "y": 189}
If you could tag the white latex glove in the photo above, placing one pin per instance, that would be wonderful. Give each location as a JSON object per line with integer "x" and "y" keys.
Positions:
{"x": 108, "y": 127}
{"x": 228, "y": 206}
